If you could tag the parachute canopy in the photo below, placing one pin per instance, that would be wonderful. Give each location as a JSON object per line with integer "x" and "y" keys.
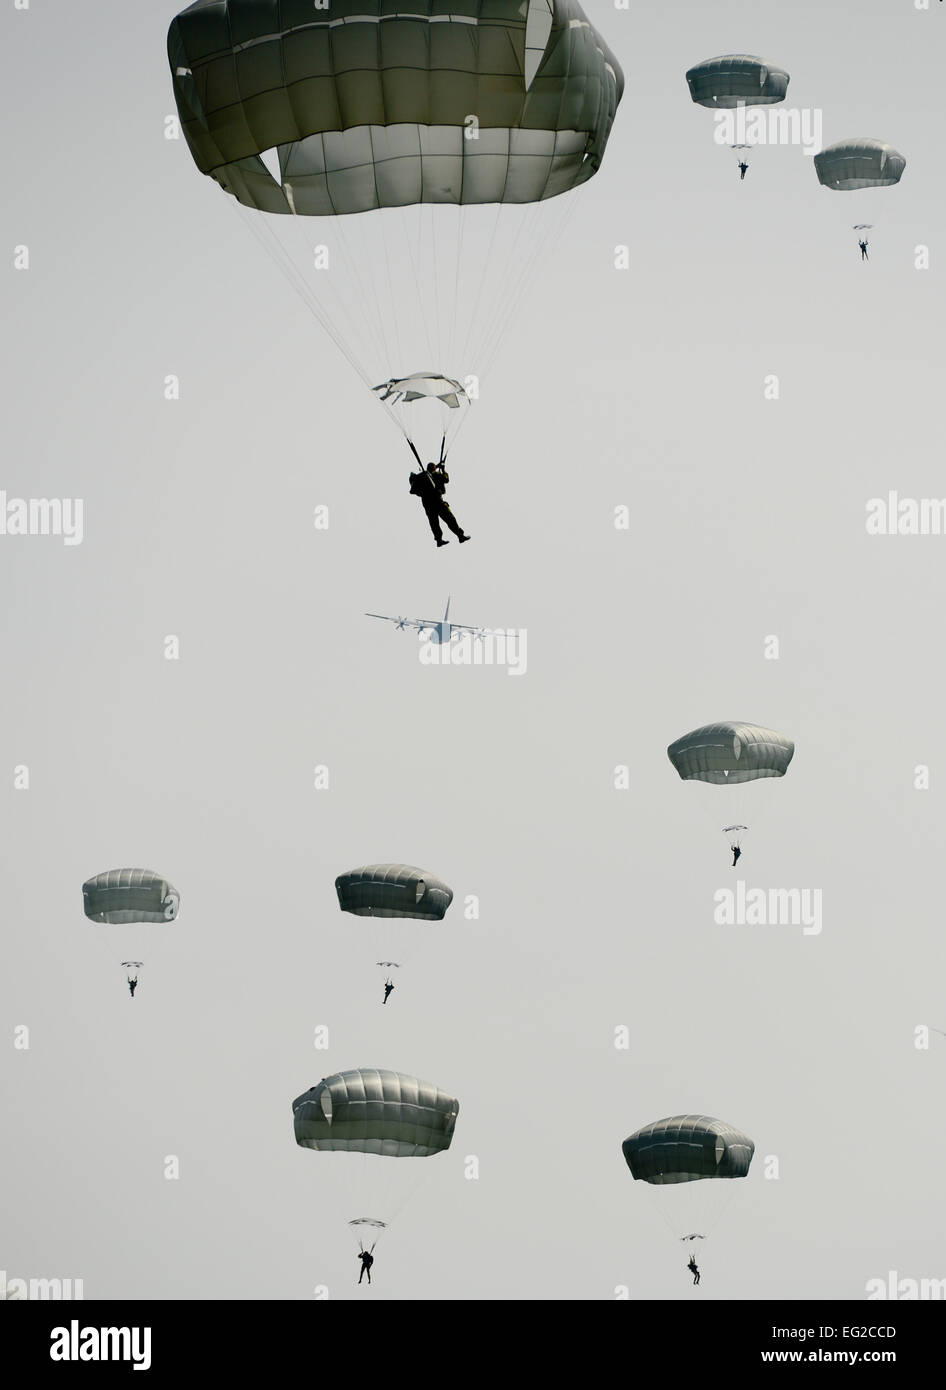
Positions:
{"x": 119, "y": 896}
{"x": 368, "y": 102}
{"x": 375, "y": 1112}
{"x": 686, "y": 1148}
{"x": 859, "y": 163}
{"x": 422, "y": 386}
{"x": 392, "y": 890}
{"x": 419, "y": 403}
{"x": 737, "y": 79}
{"x": 730, "y": 753}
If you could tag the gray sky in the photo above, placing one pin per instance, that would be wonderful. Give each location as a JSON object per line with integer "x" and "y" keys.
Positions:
{"x": 642, "y": 388}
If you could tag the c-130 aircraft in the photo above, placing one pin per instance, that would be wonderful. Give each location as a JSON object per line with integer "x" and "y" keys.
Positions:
{"x": 440, "y": 630}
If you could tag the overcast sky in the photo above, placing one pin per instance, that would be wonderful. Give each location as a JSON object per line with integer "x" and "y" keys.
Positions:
{"x": 643, "y": 387}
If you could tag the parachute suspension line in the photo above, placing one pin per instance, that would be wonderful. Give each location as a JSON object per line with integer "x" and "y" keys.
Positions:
{"x": 432, "y": 309}
{"x": 355, "y": 255}
{"x": 277, "y": 254}
{"x": 353, "y": 307}
{"x": 457, "y": 263}
{"x": 106, "y": 946}
{"x": 276, "y": 246}
{"x": 489, "y": 256}
{"x": 440, "y": 367}
{"x": 521, "y": 283}
{"x": 385, "y": 350}
{"x": 364, "y": 257}
{"x": 664, "y": 1216}
{"x": 401, "y": 1198}
{"x": 488, "y": 292}
{"x": 672, "y": 1227}
{"x": 425, "y": 210}
{"x": 418, "y": 288}
{"x": 451, "y": 430}
{"x": 380, "y": 1187}
{"x": 341, "y": 310}
{"x": 722, "y": 1209}
{"x": 512, "y": 285}
{"x": 390, "y": 409}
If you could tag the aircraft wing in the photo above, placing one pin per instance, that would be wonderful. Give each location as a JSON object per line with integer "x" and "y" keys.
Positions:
{"x": 419, "y": 623}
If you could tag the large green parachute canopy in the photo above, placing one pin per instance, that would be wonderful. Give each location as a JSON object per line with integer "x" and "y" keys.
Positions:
{"x": 120, "y": 896}
{"x": 859, "y": 163}
{"x": 731, "y": 752}
{"x": 375, "y": 1112}
{"x": 737, "y": 79}
{"x": 686, "y": 1148}
{"x": 369, "y": 103}
{"x": 392, "y": 890}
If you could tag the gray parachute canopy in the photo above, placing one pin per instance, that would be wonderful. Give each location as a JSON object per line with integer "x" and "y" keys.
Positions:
{"x": 737, "y": 79}
{"x": 422, "y": 386}
{"x": 392, "y": 890}
{"x": 368, "y": 102}
{"x": 686, "y": 1148}
{"x": 119, "y": 896}
{"x": 859, "y": 163}
{"x": 375, "y": 1112}
{"x": 731, "y": 752}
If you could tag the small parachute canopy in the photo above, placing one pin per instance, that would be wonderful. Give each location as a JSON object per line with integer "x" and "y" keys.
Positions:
{"x": 731, "y": 752}
{"x": 422, "y": 386}
{"x": 366, "y": 103}
{"x": 393, "y": 890}
{"x": 120, "y": 896}
{"x": 859, "y": 163}
{"x": 375, "y": 1112}
{"x": 737, "y": 79}
{"x": 687, "y": 1148}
